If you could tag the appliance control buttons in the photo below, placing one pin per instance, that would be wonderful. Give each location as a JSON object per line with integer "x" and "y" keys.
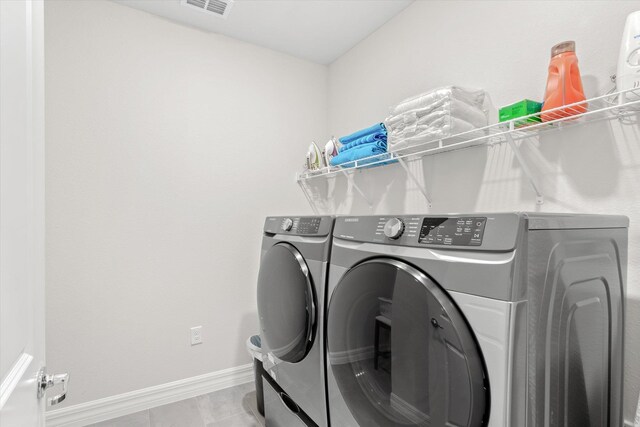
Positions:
{"x": 287, "y": 223}
{"x": 394, "y": 228}
{"x": 465, "y": 231}
{"x": 309, "y": 225}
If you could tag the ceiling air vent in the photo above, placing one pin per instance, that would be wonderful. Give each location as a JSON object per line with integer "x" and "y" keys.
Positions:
{"x": 216, "y": 7}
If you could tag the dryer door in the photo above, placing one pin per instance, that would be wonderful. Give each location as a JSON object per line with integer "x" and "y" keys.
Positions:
{"x": 400, "y": 352}
{"x": 286, "y": 303}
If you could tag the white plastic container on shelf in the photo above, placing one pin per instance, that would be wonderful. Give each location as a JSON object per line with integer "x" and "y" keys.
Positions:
{"x": 628, "y": 74}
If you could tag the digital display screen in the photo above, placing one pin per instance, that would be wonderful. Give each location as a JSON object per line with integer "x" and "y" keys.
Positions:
{"x": 464, "y": 231}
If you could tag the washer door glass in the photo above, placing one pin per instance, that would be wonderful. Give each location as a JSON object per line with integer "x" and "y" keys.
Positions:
{"x": 401, "y": 352}
{"x": 286, "y": 303}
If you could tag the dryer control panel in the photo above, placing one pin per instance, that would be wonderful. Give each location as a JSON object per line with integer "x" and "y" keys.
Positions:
{"x": 299, "y": 226}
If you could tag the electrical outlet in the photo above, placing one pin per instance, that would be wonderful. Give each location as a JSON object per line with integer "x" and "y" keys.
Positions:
{"x": 196, "y": 335}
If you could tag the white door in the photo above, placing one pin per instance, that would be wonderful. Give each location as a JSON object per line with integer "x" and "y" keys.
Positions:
{"x": 22, "y": 213}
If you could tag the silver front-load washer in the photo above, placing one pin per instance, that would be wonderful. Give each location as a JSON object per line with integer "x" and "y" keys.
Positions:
{"x": 500, "y": 320}
{"x": 291, "y": 304}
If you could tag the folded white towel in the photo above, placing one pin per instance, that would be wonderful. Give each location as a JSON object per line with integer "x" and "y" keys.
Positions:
{"x": 441, "y": 129}
{"x": 444, "y": 107}
{"x": 436, "y": 115}
{"x": 473, "y": 97}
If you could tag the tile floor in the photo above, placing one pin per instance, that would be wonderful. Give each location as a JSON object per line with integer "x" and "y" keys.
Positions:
{"x": 231, "y": 407}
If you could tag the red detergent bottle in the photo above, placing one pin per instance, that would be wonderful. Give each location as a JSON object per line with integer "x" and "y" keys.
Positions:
{"x": 564, "y": 85}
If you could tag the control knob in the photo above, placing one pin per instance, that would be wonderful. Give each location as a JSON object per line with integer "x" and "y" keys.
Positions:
{"x": 394, "y": 228}
{"x": 287, "y": 223}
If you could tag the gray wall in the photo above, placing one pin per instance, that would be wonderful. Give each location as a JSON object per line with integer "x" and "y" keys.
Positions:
{"x": 166, "y": 148}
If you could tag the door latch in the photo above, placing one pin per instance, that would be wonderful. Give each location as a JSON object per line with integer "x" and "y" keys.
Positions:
{"x": 46, "y": 381}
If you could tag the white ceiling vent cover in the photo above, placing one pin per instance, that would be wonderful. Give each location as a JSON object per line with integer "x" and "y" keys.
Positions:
{"x": 216, "y": 7}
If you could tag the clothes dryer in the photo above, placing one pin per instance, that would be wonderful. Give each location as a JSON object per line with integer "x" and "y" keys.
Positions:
{"x": 499, "y": 320}
{"x": 291, "y": 304}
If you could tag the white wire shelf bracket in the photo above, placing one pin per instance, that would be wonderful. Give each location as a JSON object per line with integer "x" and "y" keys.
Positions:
{"x": 616, "y": 105}
{"x": 307, "y": 195}
{"x": 413, "y": 178}
{"x": 525, "y": 169}
{"x": 355, "y": 186}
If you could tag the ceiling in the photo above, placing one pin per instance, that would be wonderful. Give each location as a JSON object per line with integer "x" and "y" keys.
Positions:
{"x": 316, "y": 30}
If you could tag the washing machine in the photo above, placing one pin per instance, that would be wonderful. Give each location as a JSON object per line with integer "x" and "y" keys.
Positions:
{"x": 500, "y": 320}
{"x": 291, "y": 304}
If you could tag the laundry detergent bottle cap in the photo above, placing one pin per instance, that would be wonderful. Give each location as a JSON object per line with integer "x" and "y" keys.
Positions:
{"x": 564, "y": 84}
{"x": 568, "y": 46}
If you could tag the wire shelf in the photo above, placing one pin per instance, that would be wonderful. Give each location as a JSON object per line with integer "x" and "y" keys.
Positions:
{"x": 606, "y": 107}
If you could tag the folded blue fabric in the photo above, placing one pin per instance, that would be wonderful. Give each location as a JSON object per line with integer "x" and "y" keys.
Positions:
{"x": 377, "y": 128}
{"x": 346, "y": 158}
{"x": 373, "y": 137}
{"x": 382, "y": 144}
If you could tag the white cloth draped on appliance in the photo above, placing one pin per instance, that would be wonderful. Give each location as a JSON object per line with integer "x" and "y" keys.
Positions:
{"x": 436, "y": 115}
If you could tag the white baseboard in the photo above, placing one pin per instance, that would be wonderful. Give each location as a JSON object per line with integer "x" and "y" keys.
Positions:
{"x": 139, "y": 400}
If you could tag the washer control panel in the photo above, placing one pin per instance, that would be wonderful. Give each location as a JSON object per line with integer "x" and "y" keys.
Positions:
{"x": 479, "y": 231}
{"x": 462, "y": 231}
{"x": 304, "y": 226}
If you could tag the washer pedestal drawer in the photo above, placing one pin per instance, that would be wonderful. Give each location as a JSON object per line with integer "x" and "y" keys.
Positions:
{"x": 280, "y": 410}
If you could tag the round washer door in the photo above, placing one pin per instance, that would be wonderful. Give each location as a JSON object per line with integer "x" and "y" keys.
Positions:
{"x": 286, "y": 304}
{"x": 401, "y": 352}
